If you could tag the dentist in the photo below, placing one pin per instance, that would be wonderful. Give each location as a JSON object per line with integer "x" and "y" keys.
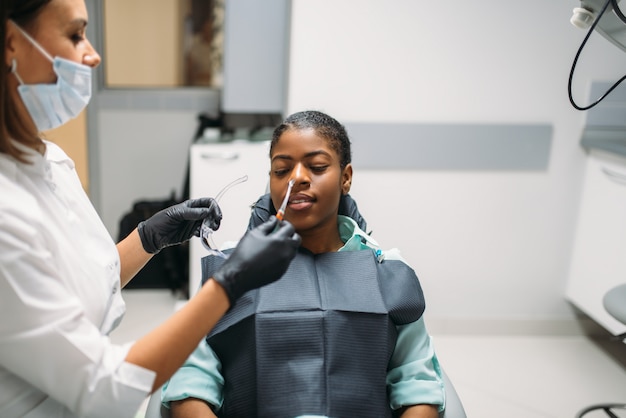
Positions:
{"x": 60, "y": 271}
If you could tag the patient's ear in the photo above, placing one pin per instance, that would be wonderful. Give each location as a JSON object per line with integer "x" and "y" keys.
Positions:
{"x": 346, "y": 179}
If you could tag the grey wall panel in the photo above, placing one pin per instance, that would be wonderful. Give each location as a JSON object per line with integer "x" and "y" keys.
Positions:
{"x": 605, "y": 127}
{"x": 598, "y": 88}
{"x": 614, "y": 116}
{"x": 611, "y": 111}
{"x": 255, "y": 53}
{"x": 611, "y": 141}
{"x": 450, "y": 146}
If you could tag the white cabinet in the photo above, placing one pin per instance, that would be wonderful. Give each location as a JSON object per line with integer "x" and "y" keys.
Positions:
{"x": 599, "y": 256}
{"x": 212, "y": 166}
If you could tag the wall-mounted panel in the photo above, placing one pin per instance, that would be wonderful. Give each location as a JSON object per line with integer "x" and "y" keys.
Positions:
{"x": 450, "y": 146}
{"x": 255, "y": 51}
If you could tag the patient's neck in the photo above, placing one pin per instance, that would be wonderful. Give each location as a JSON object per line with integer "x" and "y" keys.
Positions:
{"x": 321, "y": 240}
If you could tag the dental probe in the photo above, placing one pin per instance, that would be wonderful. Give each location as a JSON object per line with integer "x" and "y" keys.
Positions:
{"x": 281, "y": 212}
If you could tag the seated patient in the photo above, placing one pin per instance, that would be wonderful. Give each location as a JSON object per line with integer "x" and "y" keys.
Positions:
{"x": 341, "y": 334}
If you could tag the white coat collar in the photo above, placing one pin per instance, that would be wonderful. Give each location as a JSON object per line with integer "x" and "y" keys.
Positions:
{"x": 40, "y": 163}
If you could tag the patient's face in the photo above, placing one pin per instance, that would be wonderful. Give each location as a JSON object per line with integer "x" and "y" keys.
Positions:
{"x": 314, "y": 199}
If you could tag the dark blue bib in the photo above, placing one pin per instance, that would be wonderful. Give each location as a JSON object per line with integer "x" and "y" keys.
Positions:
{"x": 318, "y": 341}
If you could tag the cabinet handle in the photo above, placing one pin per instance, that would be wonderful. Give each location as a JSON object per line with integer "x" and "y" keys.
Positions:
{"x": 614, "y": 175}
{"x": 227, "y": 155}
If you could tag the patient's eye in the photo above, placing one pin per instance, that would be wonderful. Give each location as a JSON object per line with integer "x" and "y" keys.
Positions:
{"x": 319, "y": 168}
{"x": 280, "y": 172}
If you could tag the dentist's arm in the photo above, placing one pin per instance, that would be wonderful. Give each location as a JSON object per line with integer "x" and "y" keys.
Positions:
{"x": 261, "y": 257}
{"x": 132, "y": 257}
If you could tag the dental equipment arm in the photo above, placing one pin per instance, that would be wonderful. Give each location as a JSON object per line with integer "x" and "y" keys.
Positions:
{"x": 606, "y": 17}
{"x": 612, "y": 24}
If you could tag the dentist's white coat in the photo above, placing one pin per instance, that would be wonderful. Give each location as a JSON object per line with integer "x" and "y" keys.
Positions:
{"x": 59, "y": 298}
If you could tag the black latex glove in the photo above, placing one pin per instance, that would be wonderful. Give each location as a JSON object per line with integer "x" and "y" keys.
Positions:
{"x": 261, "y": 257}
{"x": 178, "y": 223}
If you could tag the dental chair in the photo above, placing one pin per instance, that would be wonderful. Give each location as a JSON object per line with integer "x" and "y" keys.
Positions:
{"x": 454, "y": 407}
{"x": 614, "y": 302}
{"x": 263, "y": 209}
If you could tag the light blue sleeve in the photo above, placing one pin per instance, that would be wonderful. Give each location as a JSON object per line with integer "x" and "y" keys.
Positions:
{"x": 199, "y": 377}
{"x": 414, "y": 375}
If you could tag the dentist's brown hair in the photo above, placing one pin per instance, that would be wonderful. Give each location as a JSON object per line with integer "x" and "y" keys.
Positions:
{"x": 24, "y": 13}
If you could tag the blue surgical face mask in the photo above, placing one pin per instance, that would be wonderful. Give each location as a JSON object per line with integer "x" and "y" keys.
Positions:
{"x": 52, "y": 105}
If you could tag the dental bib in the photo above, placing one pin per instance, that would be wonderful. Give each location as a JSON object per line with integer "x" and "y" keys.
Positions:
{"x": 326, "y": 331}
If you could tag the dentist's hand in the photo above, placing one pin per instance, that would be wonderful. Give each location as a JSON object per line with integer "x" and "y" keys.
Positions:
{"x": 261, "y": 257}
{"x": 178, "y": 223}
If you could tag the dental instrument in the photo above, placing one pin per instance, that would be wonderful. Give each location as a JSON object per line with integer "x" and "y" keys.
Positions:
{"x": 206, "y": 232}
{"x": 281, "y": 212}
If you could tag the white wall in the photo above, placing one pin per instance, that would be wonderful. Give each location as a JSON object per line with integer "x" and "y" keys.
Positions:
{"x": 491, "y": 248}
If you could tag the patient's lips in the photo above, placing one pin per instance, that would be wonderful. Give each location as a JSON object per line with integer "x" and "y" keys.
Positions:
{"x": 300, "y": 201}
